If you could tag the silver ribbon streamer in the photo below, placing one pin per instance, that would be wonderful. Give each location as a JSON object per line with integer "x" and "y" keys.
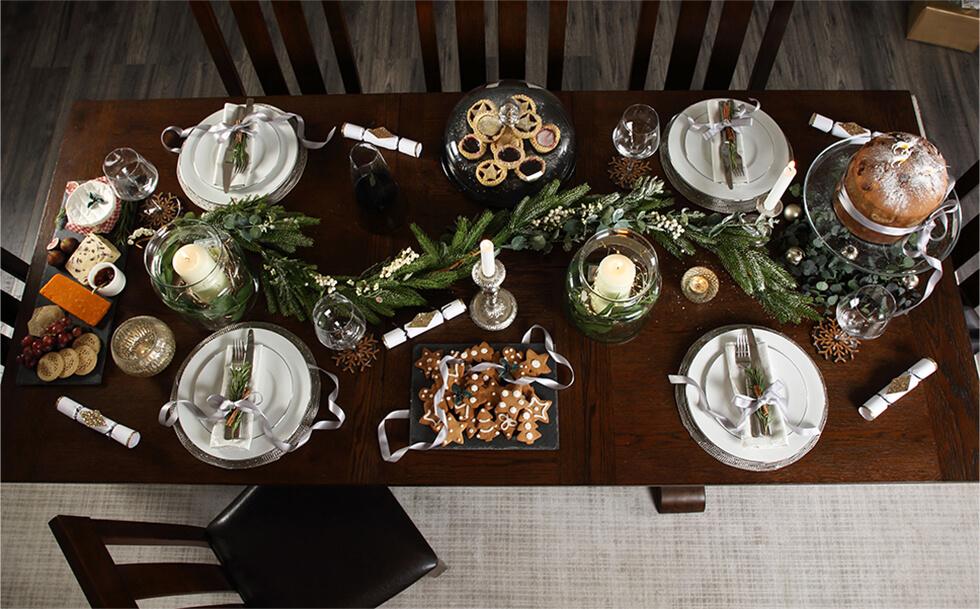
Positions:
{"x": 549, "y": 346}
{"x": 742, "y": 117}
{"x": 775, "y": 395}
{"x": 222, "y": 406}
{"x": 224, "y": 131}
{"x": 924, "y": 234}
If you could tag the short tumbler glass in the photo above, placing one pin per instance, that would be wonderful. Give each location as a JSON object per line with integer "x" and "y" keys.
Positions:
{"x": 338, "y": 323}
{"x": 865, "y": 312}
{"x": 637, "y": 135}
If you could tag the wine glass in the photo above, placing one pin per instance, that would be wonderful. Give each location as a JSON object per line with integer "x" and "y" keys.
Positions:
{"x": 131, "y": 177}
{"x": 865, "y": 312}
{"x": 637, "y": 135}
{"x": 338, "y": 323}
{"x": 375, "y": 190}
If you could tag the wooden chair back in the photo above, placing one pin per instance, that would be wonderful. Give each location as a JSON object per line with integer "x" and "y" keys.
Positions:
{"x": 259, "y": 46}
{"x": 17, "y": 269}
{"x": 107, "y": 584}
{"x": 686, "y": 48}
{"x": 471, "y": 42}
{"x": 967, "y": 250}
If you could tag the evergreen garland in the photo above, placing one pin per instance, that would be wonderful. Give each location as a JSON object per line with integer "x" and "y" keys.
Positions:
{"x": 551, "y": 217}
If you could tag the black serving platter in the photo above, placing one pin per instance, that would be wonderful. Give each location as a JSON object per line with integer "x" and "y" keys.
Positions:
{"x": 560, "y": 162}
{"x": 549, "y": 431}
{"x": 26, "y": 376}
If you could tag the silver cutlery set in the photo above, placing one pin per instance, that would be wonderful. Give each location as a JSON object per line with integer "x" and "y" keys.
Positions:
{"x": 731, "y": 160}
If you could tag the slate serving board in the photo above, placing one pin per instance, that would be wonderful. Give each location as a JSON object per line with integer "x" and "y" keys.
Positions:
{"x": 26, "y": 376}
{"x": 549, "y": 431}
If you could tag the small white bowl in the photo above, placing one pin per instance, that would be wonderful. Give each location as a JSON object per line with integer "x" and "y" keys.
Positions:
{"x": 115, "y": 286}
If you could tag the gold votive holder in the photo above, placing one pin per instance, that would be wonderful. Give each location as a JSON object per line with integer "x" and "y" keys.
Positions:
{"x": 143, "y": 346}
{"x": 699, "y": 284}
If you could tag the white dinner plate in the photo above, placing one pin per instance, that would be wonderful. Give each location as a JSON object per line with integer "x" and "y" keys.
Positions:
{"x": 198, "y": 152}
{"x": 264, "y": 150}
{"x": 807, "y": 398}
{"x": 200, "y": 375}
{"x": 272, "y": 379}
{"x": 766, "y": 154}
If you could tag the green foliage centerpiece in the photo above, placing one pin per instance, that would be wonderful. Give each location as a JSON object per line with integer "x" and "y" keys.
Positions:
{"x": 551, "y": 217}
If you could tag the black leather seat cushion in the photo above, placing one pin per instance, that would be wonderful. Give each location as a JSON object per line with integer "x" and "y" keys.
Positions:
{"x": 313, "y": 546}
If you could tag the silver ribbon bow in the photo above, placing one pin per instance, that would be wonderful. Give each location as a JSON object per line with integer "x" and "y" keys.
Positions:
{"x": 775, "y": 396}
{"x": 222, "y": 406}
{"x": 224, "y": 131}
{"x": 549, "y": 346}
{"x": 742, "y": 117}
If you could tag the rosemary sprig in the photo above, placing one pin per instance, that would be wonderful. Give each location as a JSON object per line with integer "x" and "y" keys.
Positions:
{"x": 757, "y": 383}
{"x": 239, "y": 153}
{"x": 237, "y": 389}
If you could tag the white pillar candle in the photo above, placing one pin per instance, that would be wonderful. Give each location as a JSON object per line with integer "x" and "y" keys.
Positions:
{"x": 487, "y": 265}
{"x": 198, "y": 268}
{"x": 613, "y": 281}
{"x": 780, "y": 186}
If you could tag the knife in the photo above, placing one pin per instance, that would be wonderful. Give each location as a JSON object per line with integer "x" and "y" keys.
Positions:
{"x": 250, "y": 354}
{"x": 228, "y": 165}
{"x": 737, "y": 166}
{"x": 726, "y": 163}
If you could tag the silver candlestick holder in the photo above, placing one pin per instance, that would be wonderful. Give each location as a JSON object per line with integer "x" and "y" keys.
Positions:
{"x": 493, "y": 308}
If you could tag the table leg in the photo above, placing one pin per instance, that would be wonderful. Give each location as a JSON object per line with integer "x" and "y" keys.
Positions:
{"x": 678, "y": 499}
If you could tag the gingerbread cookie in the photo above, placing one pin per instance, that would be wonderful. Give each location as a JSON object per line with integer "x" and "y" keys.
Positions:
{"x": 538, "y": 409}
{"x": 486, "y": 426}
{"x": 534, "y": 364}
{"x": 527, "y": 430}
{"x": 454, "y": 431}
{"x": 506, "y": 425}
{"x": 429, "y": 363}
{"x": 430, "y": 418}
{"x": 490, "y": 173}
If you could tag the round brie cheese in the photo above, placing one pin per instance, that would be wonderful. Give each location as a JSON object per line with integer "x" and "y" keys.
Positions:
{"x": 91, "y": 204}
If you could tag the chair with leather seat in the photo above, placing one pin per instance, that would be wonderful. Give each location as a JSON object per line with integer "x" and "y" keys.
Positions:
{"x": 312, "y": 546}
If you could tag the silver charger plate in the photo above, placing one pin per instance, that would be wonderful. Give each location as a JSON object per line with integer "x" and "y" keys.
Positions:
{"x": 311, "y": 408}
{"x": 684, "y": 409}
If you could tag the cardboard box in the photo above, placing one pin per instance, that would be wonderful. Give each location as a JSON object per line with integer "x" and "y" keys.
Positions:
{"x": 944, "y": 24}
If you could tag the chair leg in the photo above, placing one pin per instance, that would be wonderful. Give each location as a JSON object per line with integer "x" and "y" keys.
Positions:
{"x": 678, "y": 499}
{"x": 439, "y": 569}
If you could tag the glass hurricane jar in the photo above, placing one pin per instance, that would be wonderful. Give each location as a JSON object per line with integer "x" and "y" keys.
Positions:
{"x": 612, "y": 284}
{"x": 142, "y": 346}
{"x": 199, "y": 271}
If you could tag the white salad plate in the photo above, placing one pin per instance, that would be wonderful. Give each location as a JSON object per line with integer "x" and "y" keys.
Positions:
{"x": 280, "y": 160}
{"x": 764, "y": 147}
{"x": 807, "y": 398}
{"x": 290, "y": 401}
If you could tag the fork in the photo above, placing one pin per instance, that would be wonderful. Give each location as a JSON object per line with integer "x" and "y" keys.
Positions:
{"x": 743, "y": 358}
{"x": 238, "y": 354}
{"x": 737, "y": 164}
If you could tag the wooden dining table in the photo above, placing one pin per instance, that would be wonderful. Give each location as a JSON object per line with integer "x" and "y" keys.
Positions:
{"x": 619, "y": 423}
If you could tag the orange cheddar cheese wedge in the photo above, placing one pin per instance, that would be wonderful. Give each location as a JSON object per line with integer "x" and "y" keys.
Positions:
{"x": 75, "y": 299}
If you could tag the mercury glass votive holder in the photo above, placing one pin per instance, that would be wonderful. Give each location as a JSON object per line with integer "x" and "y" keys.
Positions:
{"x": 596, "y": 314}
{"x": 143, "y": 346}
{"x": 199, "y": 271}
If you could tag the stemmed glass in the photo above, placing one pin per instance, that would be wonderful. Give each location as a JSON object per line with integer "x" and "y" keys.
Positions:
{"x": 131, "y": 177}
{"x": 338, "y": 323}
{"x": 375, "y": 190}
{"x": 637, "y": 135}
{"x": 866, "y": 312}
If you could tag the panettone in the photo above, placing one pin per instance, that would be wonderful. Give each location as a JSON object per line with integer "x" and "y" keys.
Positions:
{"x": 895, "y": 180}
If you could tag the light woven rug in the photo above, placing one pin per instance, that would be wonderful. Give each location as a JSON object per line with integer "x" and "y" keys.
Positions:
{"x": 888, "y": 546}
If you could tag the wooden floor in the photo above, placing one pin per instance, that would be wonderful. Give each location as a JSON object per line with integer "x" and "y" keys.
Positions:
{"x": 56, "y": 52}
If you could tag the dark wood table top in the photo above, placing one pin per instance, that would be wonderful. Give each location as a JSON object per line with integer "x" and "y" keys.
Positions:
{"x": 619, "y": 422}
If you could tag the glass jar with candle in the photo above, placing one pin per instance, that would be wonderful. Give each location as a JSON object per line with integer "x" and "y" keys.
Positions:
{"x": 612, "y": 284}
{"x": 199, "y": 271}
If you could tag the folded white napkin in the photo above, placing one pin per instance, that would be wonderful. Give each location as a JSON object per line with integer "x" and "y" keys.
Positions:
{"x": 777, "y": 436}
{"x": 218, "y": 431}
{"x": 714, "y": 115}
{"x": 232, "y": 112}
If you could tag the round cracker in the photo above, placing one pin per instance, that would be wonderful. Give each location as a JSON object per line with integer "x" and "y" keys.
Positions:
{"x": 90, "y": 340}
{"x": 50, "y": 366}
{"x": 87, "y": 358}
{"x": 70, "y": 357}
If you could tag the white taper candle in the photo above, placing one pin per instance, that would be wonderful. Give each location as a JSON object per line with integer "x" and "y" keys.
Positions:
{"x": 487, "y": 265}
{"x": 779, "y": 188}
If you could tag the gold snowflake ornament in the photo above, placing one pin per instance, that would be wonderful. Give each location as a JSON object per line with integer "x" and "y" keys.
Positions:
{"x": 360, "y": 358}
{"x": 833, "y": 343}
{"x": 625, "y": 172}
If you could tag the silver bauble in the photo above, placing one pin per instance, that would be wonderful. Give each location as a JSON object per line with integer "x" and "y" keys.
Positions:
{"x": 910, "y": 281}
{"x": 792, "y": 211}
{"x": 849, "y": 252}
{"x": 794, "y": 255}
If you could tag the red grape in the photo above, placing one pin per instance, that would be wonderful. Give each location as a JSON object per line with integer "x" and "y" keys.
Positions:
{"x": 47, "y": 341}
{"x": 77, "y": 331}
{"x": 37, "y": 348}
{"x": 26, "y": 341}
{"x": 27, "y": 352}
{"x": 64, "y": 339}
